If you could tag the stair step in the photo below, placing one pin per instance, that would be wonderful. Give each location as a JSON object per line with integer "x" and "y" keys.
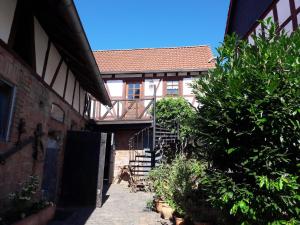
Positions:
{"x": 140, "y": 161}
{"x": 141, "y": 166}
{"x": 142, "y": 156}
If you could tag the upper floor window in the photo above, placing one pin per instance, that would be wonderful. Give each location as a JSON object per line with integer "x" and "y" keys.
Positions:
{"x": 133, "y": 91}
{"x": 6, "y": 102}
{"x": 172, "y": 87}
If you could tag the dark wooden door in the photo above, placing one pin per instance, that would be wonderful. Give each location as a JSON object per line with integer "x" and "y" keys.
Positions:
{"x": 83, "y": 169}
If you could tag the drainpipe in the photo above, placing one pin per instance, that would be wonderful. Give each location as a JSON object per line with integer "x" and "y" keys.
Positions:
{"x": 154, "y": 129}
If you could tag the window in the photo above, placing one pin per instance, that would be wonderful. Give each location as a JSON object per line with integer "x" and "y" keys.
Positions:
{"x": 57, "y": 113}
{"x": 172, "y": 87}
{"x": 134, "y": 91}
{"x": 6, "y": 102}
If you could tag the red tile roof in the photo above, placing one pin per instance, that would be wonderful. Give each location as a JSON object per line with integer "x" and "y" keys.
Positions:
{"x": 151, "y": 60}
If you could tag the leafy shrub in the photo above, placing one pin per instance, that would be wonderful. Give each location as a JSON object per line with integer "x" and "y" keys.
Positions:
{"x": 171, "y": 111}
{"x": 176, "y": 182}
{"x": 248, "y": 125}
{"x": 24, "y": 202}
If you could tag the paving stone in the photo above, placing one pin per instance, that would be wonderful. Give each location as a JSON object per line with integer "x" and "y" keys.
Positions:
{"x": 120, "y": 208}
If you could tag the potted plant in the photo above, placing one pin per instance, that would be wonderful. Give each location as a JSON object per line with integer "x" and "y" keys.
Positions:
{"x": 27, "y": 208}
{"x": 158, "y": 178}
{"x": 185, "y": 174}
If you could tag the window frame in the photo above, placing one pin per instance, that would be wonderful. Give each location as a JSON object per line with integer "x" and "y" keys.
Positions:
{"x": 5, "y": 137}
{"x": 134, "y": 88}
{"x": 172, "y": 85}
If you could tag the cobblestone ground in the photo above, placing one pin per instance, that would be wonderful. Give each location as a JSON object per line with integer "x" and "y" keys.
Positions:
{"x": 120, "y": 208}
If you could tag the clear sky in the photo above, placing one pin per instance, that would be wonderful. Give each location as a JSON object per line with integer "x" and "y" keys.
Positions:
{"x": 126, "y": 24}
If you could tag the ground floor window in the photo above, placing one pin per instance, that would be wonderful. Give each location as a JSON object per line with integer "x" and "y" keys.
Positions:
{"x": 6, "y": 102}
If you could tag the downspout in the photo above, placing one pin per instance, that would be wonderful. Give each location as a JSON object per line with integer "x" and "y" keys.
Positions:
{"x": 72, "y": 14}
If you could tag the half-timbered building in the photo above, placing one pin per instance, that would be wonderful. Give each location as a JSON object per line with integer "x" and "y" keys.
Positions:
{"x": 135, "y": 79}
{"x": 47, "y": 75}
{"x": 243, "y": 16}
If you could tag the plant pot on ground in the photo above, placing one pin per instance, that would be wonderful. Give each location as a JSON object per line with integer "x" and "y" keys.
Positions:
{"x": 166, "y": 211}
{"x": 158, "y": 205}
{"x": 179, "y": 219}
{"x": 40, "y": 218}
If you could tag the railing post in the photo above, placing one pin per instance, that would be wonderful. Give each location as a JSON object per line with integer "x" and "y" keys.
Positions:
{"x": 154, "y": 129}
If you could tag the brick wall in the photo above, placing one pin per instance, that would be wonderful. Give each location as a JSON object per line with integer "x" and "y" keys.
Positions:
{"x": 33, "y": 103}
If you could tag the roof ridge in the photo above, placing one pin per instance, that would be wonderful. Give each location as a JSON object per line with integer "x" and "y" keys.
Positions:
{"x": 134, "y": 49}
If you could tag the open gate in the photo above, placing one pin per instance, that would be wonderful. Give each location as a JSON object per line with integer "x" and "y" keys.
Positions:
{"x": 83, "y": 171}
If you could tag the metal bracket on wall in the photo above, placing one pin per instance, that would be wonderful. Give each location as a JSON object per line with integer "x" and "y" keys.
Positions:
{"x": 35, "y": 140}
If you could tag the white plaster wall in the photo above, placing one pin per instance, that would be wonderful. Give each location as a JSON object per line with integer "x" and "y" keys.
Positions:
{"x": 258, "y": 30}
{"x": 70, "y": 88}
{"x": 298, "y": 17}
{"x": 115, "y": 88}
{"x": 289, "y": 28}
{"x": 41, "y": 43}
{"x": 189, "y": 99}
{"x": 53, "y": 60}
{"x": 59, "y": 83}
{"x": 149, "y": 89}
{"x": 297, "y": 3}
{"x": 82, "y": 100}
{"x": 76, "y": 97}
{"x": 284, "y": 11}
{"x": 250, "y": 39}
{"x": 187, "y": 90}
{"x": 7, "y": 11}
{"x": 103, "y": 110}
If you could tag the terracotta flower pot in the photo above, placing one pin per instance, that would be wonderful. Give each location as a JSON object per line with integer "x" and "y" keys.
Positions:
{"x": 40, "y": 218}
{"x": 179, "y": 220}
{"x": 167, "y": 212}
{"x": 201, "y": 223}
{"x": 159, "y": 205}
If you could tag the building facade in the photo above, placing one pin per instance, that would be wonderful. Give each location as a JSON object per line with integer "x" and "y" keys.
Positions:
{"x": 136, "y": 78}
{"x": 47, "y": 76}
{"x": 243, "y": 16}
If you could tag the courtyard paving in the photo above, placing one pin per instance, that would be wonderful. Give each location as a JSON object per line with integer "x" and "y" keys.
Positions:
{"x": 120, "y": 208}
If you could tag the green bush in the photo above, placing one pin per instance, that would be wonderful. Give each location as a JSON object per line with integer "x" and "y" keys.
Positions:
{"x": 249, "y": 128}
{"x": 171, "y": 111}
{"x": 24, "y": 202}
{"x": 176, "y": 183}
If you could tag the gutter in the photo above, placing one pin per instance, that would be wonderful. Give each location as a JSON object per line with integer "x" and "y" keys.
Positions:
{"x": 74, "y": 19}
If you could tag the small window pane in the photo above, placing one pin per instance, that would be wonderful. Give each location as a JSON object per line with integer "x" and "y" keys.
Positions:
{"x": 57, "y": 113}
{"x": 6, "y": 95}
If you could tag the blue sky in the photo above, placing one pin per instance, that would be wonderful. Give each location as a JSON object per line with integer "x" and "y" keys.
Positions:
{"x": 126, "y": 24}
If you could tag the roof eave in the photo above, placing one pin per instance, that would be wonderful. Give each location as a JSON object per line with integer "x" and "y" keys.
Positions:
{"x": 157, "y": 71}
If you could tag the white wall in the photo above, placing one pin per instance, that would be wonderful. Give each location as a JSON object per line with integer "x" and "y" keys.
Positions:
{"x": 41, "y": 43}
{"x": 82, "y": 100}
{"x": 187, "y": 90}
{"x": 53, "y": 61}
{"x": 70, "y": 88}
{"x": 59, "y": 83}
{"x": 76, "y": 97}
{"x": 115, "y": 88}
{"x": 283, "y": 10}
{"x": 7, "y": 11}
{"x": 149, "y": 87}
{"x": 297, "y": 3}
